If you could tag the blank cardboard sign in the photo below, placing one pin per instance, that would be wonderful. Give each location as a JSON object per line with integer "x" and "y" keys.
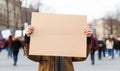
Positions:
{"x": 58, "y": 35}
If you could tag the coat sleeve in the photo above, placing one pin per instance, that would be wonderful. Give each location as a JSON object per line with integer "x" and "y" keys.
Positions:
{"x": 26, "y": 49}
{"x": 88, "y": 49}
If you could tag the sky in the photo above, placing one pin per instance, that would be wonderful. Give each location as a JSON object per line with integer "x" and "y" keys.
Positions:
{"x": 93, "y": 9}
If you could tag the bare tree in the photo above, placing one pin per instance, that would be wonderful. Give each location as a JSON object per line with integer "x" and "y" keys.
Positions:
{"x": 20, "y": 6}
{"x": 7, "y": 7}
{"x": 14, "y": 13}
{"x": 112, "y": 23}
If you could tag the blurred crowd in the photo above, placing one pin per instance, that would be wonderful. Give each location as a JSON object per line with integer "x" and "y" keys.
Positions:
{"x": 106, "y": 47}
{"x": 12, "y": 45}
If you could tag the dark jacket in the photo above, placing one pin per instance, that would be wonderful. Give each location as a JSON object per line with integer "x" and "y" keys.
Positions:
{"x": 15, "y": 45}
{"x": 115, "y": 46}
{"x": 47, "y": 63}
{"x": 101, "y": 45}
{"x": 118, "y": 43}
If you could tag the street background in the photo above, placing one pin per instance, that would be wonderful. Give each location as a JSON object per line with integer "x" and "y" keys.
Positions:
{"x": 24, "y": 64}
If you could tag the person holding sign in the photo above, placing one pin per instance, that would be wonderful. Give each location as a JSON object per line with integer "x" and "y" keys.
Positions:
{"x": 54, "y": 63}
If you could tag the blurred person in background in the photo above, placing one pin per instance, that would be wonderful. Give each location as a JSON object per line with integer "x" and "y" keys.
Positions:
{"x": 8, "y": 46}
{"x": 118, "y": 39}
{"x": 94, "y": 47}
{"x": 109, "y": 46}
{"x": 16, "y": 44}
{"x": 104, "y": 50}
{"x": 115, "y": 46}
{"x": 101, "y": 50}
{"x": 1, "y": 45}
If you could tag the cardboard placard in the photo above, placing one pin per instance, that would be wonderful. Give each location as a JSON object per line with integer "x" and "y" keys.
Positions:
{"x": 58, "y": 35}
{"x": 18, "y": 33}
{"x": 6, "y": 33}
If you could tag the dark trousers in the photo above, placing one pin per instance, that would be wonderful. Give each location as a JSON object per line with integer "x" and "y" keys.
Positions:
{"x": 15, "y": 57}
{"x": 100, "y": 54}
{"x": 92, "y": 55}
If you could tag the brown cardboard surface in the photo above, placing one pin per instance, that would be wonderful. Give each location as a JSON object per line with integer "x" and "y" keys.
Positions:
{"x": 58, "y": 35}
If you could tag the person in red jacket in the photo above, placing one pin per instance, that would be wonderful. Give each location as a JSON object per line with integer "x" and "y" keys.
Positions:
{"x": 94, "y": 47}
{"x": 8, "y": 45}
{"x": 1, "y": 45}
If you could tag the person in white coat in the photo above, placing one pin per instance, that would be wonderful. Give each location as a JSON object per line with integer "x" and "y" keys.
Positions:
{"x": 109, "y": 46}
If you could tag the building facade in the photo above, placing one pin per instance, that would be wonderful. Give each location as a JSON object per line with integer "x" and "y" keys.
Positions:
{"x": 10, "y": 16}
{"x": 99, "y": 28}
